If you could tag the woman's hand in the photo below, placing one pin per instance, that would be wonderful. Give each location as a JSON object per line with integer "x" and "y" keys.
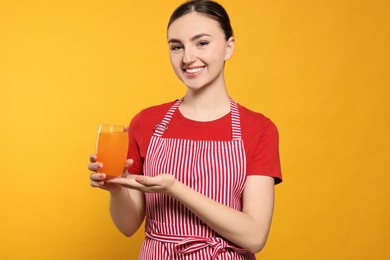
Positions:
{"x": 162, "y": 183}
{"x": 98, "y": 180}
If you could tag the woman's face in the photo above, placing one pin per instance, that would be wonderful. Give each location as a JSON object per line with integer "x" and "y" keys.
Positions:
{"x": 198, "y": 50}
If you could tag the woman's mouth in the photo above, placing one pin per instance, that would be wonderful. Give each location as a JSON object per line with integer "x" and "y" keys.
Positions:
{"x": 193, "y": 71}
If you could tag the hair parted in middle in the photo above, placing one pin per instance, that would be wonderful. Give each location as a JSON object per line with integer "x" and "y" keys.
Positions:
{"x": 208, "y": 8}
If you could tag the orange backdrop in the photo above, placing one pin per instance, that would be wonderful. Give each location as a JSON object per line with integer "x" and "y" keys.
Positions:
{"x": 319, "y": 69}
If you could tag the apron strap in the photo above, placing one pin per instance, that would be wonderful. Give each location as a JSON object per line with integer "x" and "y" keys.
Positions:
{"x": 236, "y": 125}
{"x": 161, "y": 127}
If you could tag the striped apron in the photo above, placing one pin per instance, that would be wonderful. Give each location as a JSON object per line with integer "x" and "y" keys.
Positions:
{"x": 216, "y": 169}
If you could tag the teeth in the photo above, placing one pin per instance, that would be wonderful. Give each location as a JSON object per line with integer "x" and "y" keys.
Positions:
{"x": 194, "y": 70}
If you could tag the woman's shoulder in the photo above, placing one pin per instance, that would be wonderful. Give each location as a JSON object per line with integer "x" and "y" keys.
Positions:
{"x": 252, "y": 117}
{"x": 152, "y": 114}
{"x": 155, "y": 110}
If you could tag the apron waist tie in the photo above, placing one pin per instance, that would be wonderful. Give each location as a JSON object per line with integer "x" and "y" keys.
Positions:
{"x": 189, "y": 244}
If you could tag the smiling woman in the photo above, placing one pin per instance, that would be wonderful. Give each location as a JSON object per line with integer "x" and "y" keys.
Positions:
{"x": 317, "y": 68}
{"x": 199, "y": 202}
{"x": 199, "y": 51}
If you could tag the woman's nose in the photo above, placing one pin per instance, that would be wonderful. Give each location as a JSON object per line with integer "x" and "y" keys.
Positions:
{"x": 188, "y": 56}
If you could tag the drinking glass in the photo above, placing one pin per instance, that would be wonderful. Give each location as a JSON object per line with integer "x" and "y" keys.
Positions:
{"x": 111, "y": 149}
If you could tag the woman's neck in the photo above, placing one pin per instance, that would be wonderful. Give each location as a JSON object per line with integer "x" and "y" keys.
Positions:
{"x": 205, "y": 105}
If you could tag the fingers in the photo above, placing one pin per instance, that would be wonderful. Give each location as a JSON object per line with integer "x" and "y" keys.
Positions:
{"x": 97, "y": 179}
{"x": 129, "y": 162}
{"x": 141, "y": 179}
{"x": 92, "y": 158}
{"x": 147, "y": 181}
{"x": 97, "y": 176}
{"x": 127, "y": 183}
{"x": 97, "y": 184}
{"x": 93, "y": 165}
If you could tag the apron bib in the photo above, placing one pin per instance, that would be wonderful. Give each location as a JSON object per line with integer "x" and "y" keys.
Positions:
{"x": 216, "y": 169}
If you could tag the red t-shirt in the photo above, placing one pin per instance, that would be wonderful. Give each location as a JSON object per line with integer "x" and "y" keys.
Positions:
{"x": 259, "y": 134}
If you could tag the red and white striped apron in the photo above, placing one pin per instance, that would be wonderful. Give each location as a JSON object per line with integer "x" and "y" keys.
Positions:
{"x": 217, "y": 169}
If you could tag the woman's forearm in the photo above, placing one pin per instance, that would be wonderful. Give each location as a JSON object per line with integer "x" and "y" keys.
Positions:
{"x": 248, "y": 230}
{"x": 127, "y": 210}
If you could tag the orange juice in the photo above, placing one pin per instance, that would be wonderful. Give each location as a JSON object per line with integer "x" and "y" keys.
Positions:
{"x": 111, "y": 150}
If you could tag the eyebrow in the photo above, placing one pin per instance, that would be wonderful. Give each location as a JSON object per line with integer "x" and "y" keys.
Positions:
{"x": 194, "y": 38}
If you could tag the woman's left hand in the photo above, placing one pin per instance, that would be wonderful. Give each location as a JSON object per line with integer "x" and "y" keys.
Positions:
{"x": 159, "y": 184}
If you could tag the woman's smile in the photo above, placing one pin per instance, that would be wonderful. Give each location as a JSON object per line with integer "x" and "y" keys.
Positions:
{"x": 193, "y": 71}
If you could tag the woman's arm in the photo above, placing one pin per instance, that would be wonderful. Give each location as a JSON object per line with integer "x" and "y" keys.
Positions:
{"x": 127, "y": 209}
{"x": 127, "y": 206}
{"x": 248, "y": 229}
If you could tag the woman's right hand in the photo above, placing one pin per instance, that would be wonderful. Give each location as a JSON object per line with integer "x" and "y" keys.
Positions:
{"x": 98, "y": 180}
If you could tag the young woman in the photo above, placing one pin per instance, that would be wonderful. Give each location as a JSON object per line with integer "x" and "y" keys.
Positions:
{"x": 201, "y": 169}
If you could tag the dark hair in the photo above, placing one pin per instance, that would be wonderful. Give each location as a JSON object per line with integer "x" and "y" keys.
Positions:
{"x": 206, "y": 7}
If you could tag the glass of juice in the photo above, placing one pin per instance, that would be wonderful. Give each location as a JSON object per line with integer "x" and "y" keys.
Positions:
{"x": 111, "y": 149}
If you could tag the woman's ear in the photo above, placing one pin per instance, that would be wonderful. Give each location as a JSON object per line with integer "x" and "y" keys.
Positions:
{"x": 229, "y": 48}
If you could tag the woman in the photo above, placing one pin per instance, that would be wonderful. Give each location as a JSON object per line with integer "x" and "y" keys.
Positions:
{"x": 202, "y": 169}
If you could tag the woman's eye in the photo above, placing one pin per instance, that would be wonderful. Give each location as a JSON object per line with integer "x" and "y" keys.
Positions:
{"x": 203, "y": 43}
{"x": 175, "y": 48}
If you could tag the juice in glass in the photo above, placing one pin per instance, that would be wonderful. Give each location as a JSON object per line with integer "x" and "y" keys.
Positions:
{"x": 111, "y": 149}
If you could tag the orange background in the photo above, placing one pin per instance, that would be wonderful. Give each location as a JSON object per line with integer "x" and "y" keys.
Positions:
{"x": 319, "y": 69}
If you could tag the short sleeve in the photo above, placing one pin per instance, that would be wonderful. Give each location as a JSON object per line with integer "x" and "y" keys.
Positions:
{"x": 265, "y": 157}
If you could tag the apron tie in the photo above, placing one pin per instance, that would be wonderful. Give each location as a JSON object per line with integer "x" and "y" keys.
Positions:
{"x": 189, "y": 244}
